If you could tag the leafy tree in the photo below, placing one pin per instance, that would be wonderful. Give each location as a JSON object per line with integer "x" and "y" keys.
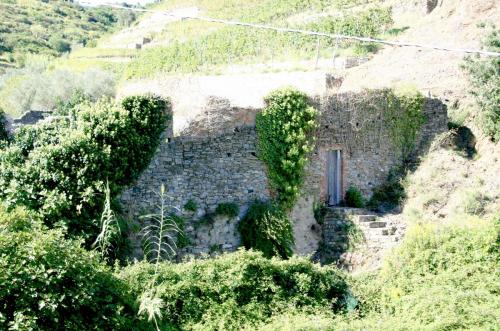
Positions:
{"x": 60, "y": 168}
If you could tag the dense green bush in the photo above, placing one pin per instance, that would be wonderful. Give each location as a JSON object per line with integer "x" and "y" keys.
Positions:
{"x": 60, "y": 169}
{"x": 59, "y": 44}
{"x": 236, "y": 289}
{"x": 285, "y": 139}
{"x": 266, "y": 228}
{"x": 443, "y": 277}
{"x": 484, "y": 75}
{"x": 354, "y": 198}
{"x": 50, "y": 283}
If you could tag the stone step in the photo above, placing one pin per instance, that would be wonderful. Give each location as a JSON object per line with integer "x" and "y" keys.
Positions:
{"x": 344, "y": 211}
{"x": 378, "y": 224}
{"x": 366, "y": 218}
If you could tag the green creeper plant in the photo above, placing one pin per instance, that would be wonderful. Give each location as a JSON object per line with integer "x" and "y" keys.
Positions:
{"x": 285, "y": 139}
{"x": 404, "y": 117}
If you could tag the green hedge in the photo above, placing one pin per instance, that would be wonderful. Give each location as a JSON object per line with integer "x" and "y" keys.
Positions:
{"x": 60, "y": 169}
{"x": 240, "y": 288}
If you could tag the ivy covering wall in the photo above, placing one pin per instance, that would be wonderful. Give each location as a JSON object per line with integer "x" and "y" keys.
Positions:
{"x": 404, "y": 117}
{"x": 284, "y": 130}
{"x": 285, "y": 138}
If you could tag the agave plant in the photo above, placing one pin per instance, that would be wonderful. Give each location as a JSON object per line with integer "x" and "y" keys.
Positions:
{"x": 151, "y": 306}
{"x": 161, "y": 233}
{"x": 109, "y": 226}
{"x": 159, "y": 237}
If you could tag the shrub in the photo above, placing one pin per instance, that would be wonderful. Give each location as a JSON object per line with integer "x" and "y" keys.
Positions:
{"x": 354, "y": 198}
{"x": 191, "y": 205}
{"x": 319, "y": 212}
{"x": 60, "y": 169}
{"x": 229, "y": 209}
{"x": 50, "y": 283}
{"x": 267, "y": 229}
{"x": 232, "y": 290}
{"x": 484, "y": 76}
{"x": 441, "y": 278}
{"x": 390, "y": 194}
{"x": 59, "y": 44}
{"x": 285, "y": 139}
{"x": 4, "y": 134}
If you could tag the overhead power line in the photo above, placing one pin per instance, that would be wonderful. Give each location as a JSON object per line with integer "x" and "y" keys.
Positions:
{"x": 307, "y": 32}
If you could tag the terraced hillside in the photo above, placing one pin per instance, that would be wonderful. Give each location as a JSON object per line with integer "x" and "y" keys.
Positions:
{"x": 165, "y": 44}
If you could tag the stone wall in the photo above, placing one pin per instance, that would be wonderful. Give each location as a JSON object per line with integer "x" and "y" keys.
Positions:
{"x": 224, "y": 168}
{"x": 363, "y": 137}
{"x": 207, "y": 170}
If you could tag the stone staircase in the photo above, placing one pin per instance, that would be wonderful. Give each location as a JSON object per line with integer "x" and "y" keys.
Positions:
{"x": 357, "y": 239}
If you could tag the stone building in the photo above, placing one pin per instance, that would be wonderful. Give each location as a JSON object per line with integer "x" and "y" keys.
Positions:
{"x": 353, "y": 148}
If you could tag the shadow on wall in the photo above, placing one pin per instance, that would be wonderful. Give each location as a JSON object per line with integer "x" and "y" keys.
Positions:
{"x": 219, "y": 116}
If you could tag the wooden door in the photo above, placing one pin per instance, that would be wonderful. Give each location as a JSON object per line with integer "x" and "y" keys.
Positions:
{"x": 334, "y": 175}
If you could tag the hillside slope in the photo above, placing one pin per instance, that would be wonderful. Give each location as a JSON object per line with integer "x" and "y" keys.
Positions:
{"x": 52, "y": 27}
{"x": 453, "y": 23}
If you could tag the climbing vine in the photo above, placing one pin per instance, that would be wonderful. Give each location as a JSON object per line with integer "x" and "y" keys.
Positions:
{"x": 285, "y": 139}
{"x": 404, "y": 116}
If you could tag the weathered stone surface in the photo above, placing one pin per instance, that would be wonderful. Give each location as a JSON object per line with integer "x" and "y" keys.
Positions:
{"x": 367, "y": 150}
{"x": 223, "y": 167}
{"x": 306, "y": 231}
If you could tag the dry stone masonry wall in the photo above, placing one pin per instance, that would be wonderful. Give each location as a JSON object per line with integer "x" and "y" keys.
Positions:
{"x": 363, "y": 136}
{"x": 224, "y": 167}
{"x": 208, "y": 170}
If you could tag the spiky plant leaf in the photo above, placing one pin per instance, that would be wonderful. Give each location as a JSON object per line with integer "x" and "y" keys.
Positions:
{"x": 109, "y": 226}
